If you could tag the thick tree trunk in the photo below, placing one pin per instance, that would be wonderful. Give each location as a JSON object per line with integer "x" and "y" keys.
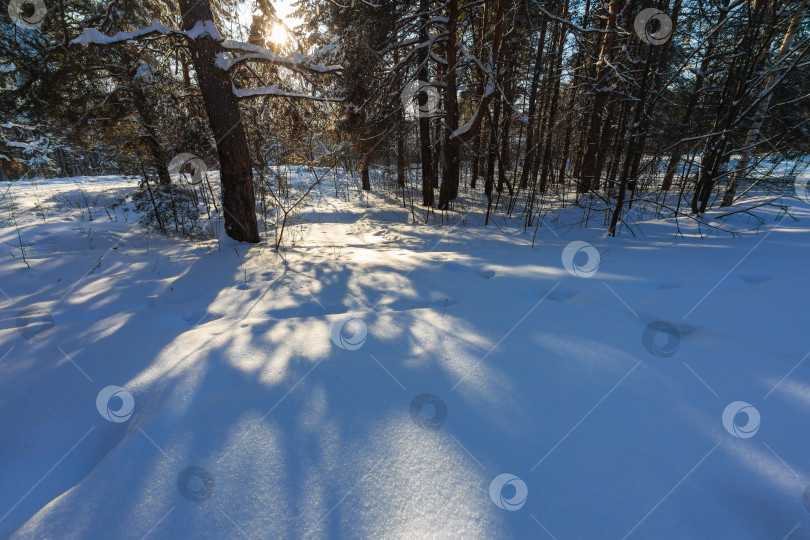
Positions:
{"x": 471, "y": 128}
{"x": 450, "y": 152}
{"x": 226, "y": 123}
{"x": 424, "y": 122}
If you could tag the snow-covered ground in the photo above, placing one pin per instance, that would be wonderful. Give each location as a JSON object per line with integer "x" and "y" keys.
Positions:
{"x": 379, "y": 379}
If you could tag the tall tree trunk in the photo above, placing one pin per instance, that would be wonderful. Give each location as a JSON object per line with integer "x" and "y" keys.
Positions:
{"x": 503, "y": 155}
{"x": 436, "y": 128}
{"x": 636, "y": 134}
{"x": 549, "y": 129}
{"x": 479, "y": 42}
{"x": 753, "y": 132}
{"x": 474, "y": 124}
{"x": 588, "y": 172}
{"x": 530, "y": 145}
{"x": 366, "y": 181}
{"x": 618, "y": 150}
{"x": 578, "y": 64}
{"x": 492, "y": 154}
{"x": 677, "y": 151}
{"x": 400, "y": 160}
{"x": 731, "y": 103}
{"x": 226, "y": 123}
{"x": 400, "y": 135}
{"x": 476, "y": 160}
{"x": 426, "y": 152}
{"x": 450, "y": 152}
{"x": 506, "y": 126}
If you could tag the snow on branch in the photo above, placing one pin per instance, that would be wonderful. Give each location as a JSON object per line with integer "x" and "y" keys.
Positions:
{"x": 9, "y": 125}
{"x": 297, "y": 61}
{"x": 94, "y": 37}
{"x": 275, "y": 91}
{"x": 465, "y": 132}
{"x": 23, "y": 145}
{"x": 207, "y": 28}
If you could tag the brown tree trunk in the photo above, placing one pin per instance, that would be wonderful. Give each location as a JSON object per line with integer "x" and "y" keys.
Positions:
{"x": 677, "y": 151}
{"x": 450, "y": 153}
{"x": 588, "y": 172}
{"x": 530, "y": 145}
{"x": 579, "y": 63}
{"x": 759, "y": 117}
{"x": 636, "y": 134}
{"x": 549, "y": 129}
{"x": 366, "y": 180}
{"x": 493, "y": 148}
{"x": 506, "y": 126}
{"x": 424, "y": 122}
{"x": 731, "y": 102}
{"x": 226, "y": 123}
{"x": 400, "y": 161}
{"x": 400, "y": 135}
{"x": 476, "y": 160}
{"x": 479, "y": 39}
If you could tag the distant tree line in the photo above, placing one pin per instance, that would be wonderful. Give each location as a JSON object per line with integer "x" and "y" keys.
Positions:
{"x": 675, "y": 107}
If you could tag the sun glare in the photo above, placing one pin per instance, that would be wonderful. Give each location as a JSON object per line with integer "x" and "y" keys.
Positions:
{"x": 278, "y": 34}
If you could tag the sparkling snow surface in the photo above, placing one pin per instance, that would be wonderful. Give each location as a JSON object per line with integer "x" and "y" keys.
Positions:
{"x": 294, "y": 384}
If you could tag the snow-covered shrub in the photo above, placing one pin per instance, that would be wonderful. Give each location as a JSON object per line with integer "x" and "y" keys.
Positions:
{"x": 175, "y": 208}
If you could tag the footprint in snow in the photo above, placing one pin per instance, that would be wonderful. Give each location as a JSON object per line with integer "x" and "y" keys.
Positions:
{"x": 562, "y": 295}
{"x": 755, "y": 278}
